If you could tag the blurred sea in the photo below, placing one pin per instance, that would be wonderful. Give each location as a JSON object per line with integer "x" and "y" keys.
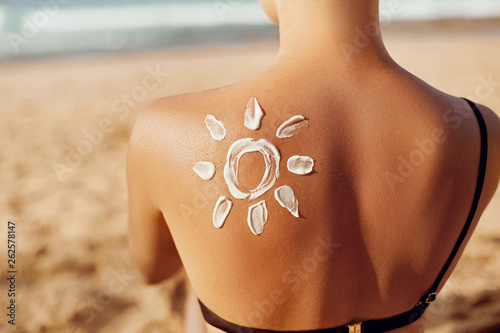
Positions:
{"x": 45, "y": 28}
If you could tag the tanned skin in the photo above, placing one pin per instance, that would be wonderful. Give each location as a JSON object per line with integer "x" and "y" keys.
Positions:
{"x": 372, "y": 236}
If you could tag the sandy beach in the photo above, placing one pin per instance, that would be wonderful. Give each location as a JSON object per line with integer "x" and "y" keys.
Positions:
{"x": 64, "y": 131}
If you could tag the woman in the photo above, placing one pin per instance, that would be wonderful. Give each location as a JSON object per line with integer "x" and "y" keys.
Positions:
{"x": 388, "y": 183}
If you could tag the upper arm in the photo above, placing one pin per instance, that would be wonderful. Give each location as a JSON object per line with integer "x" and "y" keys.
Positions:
{"x": 150, "y": 242}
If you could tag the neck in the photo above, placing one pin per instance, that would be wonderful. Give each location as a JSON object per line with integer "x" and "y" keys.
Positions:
{"x": 338, "y": 32}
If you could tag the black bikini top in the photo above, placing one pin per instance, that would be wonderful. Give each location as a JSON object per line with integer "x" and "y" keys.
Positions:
{"x": 400, "y": 320}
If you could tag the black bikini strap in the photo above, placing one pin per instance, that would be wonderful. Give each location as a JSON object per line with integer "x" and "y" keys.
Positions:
{"x": 227, "y": 326}
{"x": 431, "y": 295}
{"x": 370, "y": 326}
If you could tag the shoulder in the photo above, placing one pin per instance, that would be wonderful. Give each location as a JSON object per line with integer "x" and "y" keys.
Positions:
{"x": 170, "y": 119}
{"x": 164, "y": 131}
{"x": 145, "y": 131}
{"x": 165, "y": 118}
{"x": 164, "y": 109}
{"x": 153, "y": 132}
{"x": 492, "y": 121}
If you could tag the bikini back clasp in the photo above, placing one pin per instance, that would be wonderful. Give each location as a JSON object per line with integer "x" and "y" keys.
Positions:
{"x": 355, "y": 328}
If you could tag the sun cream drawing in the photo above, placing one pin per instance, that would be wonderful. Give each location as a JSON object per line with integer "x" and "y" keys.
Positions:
{"x": 257, "y": 217}
{"x": 271, "y": 156}
{"x": 253, "y": 115}
{"x": 300, "y": 165}
{"x": 221, "y": 211}
{"x": 284, "y": 195}
{"x": 291, "y": 127}
{"x": 286, "y": 198}
{"x": 206, "y": 170}
{"x": 216, "y": 127}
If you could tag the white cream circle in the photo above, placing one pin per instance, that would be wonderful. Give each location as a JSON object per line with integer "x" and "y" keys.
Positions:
{"x": 271, "y": 156}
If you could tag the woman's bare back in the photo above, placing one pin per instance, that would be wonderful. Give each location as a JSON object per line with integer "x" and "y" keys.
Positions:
{"x": 396, "y": 164}
{"x": 395, "y": 170}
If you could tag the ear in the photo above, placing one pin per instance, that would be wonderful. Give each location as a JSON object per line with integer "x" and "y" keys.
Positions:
{"x": 271, "y": 9}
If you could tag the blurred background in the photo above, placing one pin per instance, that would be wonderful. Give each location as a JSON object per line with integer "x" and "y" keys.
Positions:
{"x": 33, "y": 28}
{"x": 74, "y": 74}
